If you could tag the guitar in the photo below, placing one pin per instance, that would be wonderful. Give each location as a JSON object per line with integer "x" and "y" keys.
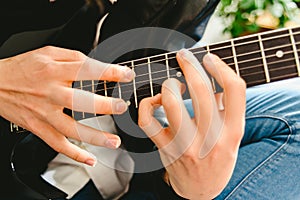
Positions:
{"x": 258, "y": 59}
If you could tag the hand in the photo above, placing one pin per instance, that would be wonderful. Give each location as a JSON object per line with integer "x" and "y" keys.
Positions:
{"x": 199, "y": 154}
{"x": 35, "y": 87}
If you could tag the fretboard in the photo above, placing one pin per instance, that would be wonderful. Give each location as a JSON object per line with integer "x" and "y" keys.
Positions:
{"x": 260, "y": 58}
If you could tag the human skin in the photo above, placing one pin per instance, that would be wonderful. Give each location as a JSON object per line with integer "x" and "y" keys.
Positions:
{"x": 35, "y": 87}
{"x": 192, "y": 173}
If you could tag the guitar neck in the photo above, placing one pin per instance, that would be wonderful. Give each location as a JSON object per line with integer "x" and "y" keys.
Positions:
{"x": 258, "y": 59}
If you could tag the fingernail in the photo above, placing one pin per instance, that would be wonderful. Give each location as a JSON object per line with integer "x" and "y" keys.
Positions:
{"x": 129, "y": 74}
{"x": 113, "y": 143}
{"x": 183, "y": 52}
{"x": 91, "y": 162}
{"x": 210, "y": 58}
{"x": 120, "y": 106}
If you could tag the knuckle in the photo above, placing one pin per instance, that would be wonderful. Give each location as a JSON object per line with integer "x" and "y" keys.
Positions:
{"x": 145, "y": 102}
{"x": 190, "y": 157}
{"x": 143, "y": 122}
{"x": 76, "y": 156}
{"x": 67, "y": 99}
{"x": 77, "y": 55}
{"x": 113, "y": 72}
{"x": 58, "y": 148}
{"x": 48, "y": 48}
{"x": 49, "y": 67}
{"x": 105, "y": 106}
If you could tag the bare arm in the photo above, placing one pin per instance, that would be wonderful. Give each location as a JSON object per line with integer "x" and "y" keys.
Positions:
{"x": 35, "y": 87}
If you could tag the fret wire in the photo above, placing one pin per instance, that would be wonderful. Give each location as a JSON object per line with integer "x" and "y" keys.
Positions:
{"x": 250, "y": 67}
{"x": 260, "y": 65}
{"x": 82, "y": 113}
{"x": 235, "y": 58}
{"x": 248, "y": 82}
{"x": 134, "y": 87}
{"x": 270, "y": 63}
{"x": 253, "y": 59}
{"x": 119, "y": 89}
{"x": 249, "y": 53}
{"x": 150, "y": 77}
{"x": 271, "y": 70}
{"x": 249, "y": 42}
{"x": 156, "y": 79}
{"x": 224, "y": 47}
{"x": 155, "y": 86}
{"x": 230, "y": 64}
{"x": 263, "y": 39}
{"x": 257, "y": 81}
{"x": 93, "y": 91}
{"x": 105, "y": 88}
{"x": 245, "y": 60}
{"x": 167, "y": 65}
{"x": 295, "y": 50}
{"x": 212, "y": 78}
{"x": 93, "y": 86}
{"x": 144, "y": 81}
{"x": 80, "y": 84}
{"x": 258, "y": 51}
{"x": 264, "y": 59}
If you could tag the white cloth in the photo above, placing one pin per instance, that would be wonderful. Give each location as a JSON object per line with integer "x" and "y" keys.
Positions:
{"x": 111, "y": 175}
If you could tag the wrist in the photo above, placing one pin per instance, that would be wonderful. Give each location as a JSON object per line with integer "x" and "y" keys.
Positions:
{"x": 166, "y": 179}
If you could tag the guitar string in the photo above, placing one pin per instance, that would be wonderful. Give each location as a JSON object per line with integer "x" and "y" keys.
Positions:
{"x": 264, "y": 39}
{"x": 172, "y": 69}
{"x": 227, "y": 41}
{"x": 212, "y": 50}
{"x": 224, "y": 58}
{"x": 124, "y": 92}
{"x": 240, "y": 55}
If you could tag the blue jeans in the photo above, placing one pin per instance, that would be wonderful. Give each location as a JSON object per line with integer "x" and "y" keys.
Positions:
{"x": 269, "y": 156}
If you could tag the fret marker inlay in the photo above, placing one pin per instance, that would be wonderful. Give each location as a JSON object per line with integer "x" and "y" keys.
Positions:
{"x": 279, "y": 54}
{"x": 178, "y": 74}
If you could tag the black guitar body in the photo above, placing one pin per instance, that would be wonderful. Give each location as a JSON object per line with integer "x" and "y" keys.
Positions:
{"x": 24, "y": 156}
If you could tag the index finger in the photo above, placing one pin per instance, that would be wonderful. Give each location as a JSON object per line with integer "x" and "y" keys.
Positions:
{"x": 234, "y": 88}
{"x": 91, "y": 69}
{"x": 199, "y": 85}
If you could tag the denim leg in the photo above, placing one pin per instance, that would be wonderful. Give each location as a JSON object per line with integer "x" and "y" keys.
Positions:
{"x": 269, "y": 156}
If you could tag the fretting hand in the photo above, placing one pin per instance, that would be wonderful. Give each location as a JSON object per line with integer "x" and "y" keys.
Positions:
{"x": 199, "y": 154}
{"x": 35, "y": 87}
